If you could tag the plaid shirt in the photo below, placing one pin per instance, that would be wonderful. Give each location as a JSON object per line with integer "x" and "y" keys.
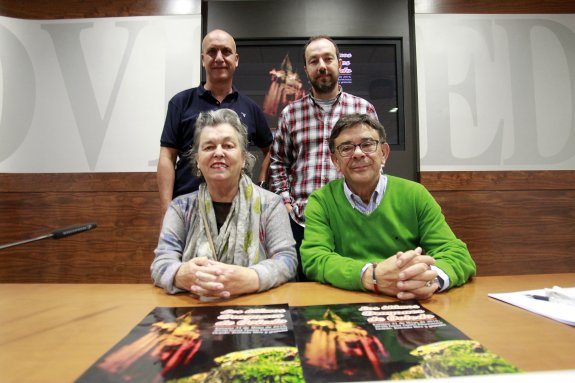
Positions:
{"x": 300, "y": 156}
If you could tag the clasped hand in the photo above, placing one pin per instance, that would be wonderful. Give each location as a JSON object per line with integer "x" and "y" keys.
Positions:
{"x": 208, "y": 278}
{"x": 407, "y": 275}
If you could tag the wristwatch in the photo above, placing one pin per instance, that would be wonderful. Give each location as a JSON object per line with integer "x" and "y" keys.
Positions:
{"x": 263, "y": 184}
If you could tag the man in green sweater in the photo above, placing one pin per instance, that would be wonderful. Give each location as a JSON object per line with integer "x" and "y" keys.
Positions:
{"x": 375, "y": 232}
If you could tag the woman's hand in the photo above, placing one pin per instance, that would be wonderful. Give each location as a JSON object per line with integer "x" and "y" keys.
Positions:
{"x": 215, "y": 279}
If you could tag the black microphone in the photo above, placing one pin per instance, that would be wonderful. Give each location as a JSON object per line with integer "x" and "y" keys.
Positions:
{"x": 60, "y": 233}
{"x": 56, "y": 234}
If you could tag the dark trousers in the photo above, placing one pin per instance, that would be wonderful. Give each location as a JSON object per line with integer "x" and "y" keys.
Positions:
{"x": 297, "y": 231}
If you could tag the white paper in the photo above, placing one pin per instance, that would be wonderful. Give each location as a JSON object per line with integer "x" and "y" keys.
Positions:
{"x": 561, "y": 312}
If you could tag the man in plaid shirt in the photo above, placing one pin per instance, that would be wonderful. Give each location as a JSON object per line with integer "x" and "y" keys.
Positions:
{"x": 300, "y": 155}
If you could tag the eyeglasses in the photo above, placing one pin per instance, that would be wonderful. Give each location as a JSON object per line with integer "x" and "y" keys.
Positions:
{"x": 367, "y": 146}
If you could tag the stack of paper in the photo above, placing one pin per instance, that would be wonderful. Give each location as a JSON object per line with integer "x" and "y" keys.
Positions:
{"x": 562, "y": 311}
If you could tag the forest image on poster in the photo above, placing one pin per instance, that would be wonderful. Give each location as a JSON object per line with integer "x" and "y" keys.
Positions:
{"x": 204, "y": 344}
{"x": 388, "y": 341}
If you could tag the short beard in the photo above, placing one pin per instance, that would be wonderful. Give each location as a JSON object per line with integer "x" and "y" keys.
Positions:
{"x": 323, "y": 88}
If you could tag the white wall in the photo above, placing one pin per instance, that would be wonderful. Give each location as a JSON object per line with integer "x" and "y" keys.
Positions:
{"x": 496, "y": 92}
{"x": 91, "y": 94}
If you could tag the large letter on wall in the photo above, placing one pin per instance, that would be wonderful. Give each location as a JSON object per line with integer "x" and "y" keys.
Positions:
{"x": 18, "y": 93}
{"x": 526, "y": 149}
{"x": 441, "y": 93}
{"x": 91, "y": 125}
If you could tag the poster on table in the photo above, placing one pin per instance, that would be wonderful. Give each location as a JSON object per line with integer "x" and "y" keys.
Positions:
{"x": 278, "y": 343}
{"x": 204, "y": 344}
{"x": 386, "y": 341}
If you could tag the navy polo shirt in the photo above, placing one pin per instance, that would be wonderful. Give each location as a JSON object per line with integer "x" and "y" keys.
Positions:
{"x": 183, "y": 111}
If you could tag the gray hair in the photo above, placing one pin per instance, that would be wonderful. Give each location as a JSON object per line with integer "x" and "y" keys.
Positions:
{"x": 218, "y": 117}
{"x": 351, "y": 120}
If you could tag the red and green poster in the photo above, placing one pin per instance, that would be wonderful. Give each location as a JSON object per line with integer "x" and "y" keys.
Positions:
{"x": 387, "y": 341}
{"x": 204, "y": 344}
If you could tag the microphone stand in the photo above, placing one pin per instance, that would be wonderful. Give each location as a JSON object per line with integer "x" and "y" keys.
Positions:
{"x": 56, "y": 234}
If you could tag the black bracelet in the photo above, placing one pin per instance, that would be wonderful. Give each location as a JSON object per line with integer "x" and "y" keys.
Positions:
{"x": 375, "y": 288}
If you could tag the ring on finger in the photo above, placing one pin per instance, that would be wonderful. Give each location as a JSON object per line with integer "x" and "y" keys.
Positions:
{"x": 432, "y": 282}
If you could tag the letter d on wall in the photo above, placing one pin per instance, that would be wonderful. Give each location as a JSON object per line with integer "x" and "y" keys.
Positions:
{"x": 18, "y": 93}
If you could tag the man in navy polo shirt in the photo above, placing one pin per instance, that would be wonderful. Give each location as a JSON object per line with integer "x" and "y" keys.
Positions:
{"x": 220, "y": 60}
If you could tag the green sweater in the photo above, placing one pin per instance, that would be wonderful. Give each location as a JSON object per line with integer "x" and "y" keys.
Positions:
{"x": 339, "y": 240}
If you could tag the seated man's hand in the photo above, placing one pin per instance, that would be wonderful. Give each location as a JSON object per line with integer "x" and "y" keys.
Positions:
{"x": 420, "y": 287}
{"x": 407, "y": 275}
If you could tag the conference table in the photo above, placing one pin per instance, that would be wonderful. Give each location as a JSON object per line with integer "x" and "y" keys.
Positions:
{"x": 54, "y": 332}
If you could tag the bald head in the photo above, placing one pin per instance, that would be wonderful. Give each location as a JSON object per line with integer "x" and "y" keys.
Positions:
{"x": 219, "y": 59}
{"x": 218, "y": 35}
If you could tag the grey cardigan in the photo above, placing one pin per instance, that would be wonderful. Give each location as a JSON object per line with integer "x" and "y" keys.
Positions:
{"x": 277, "y": 267}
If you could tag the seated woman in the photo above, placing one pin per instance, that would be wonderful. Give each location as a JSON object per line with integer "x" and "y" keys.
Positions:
{"x": 230, "y": 237}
